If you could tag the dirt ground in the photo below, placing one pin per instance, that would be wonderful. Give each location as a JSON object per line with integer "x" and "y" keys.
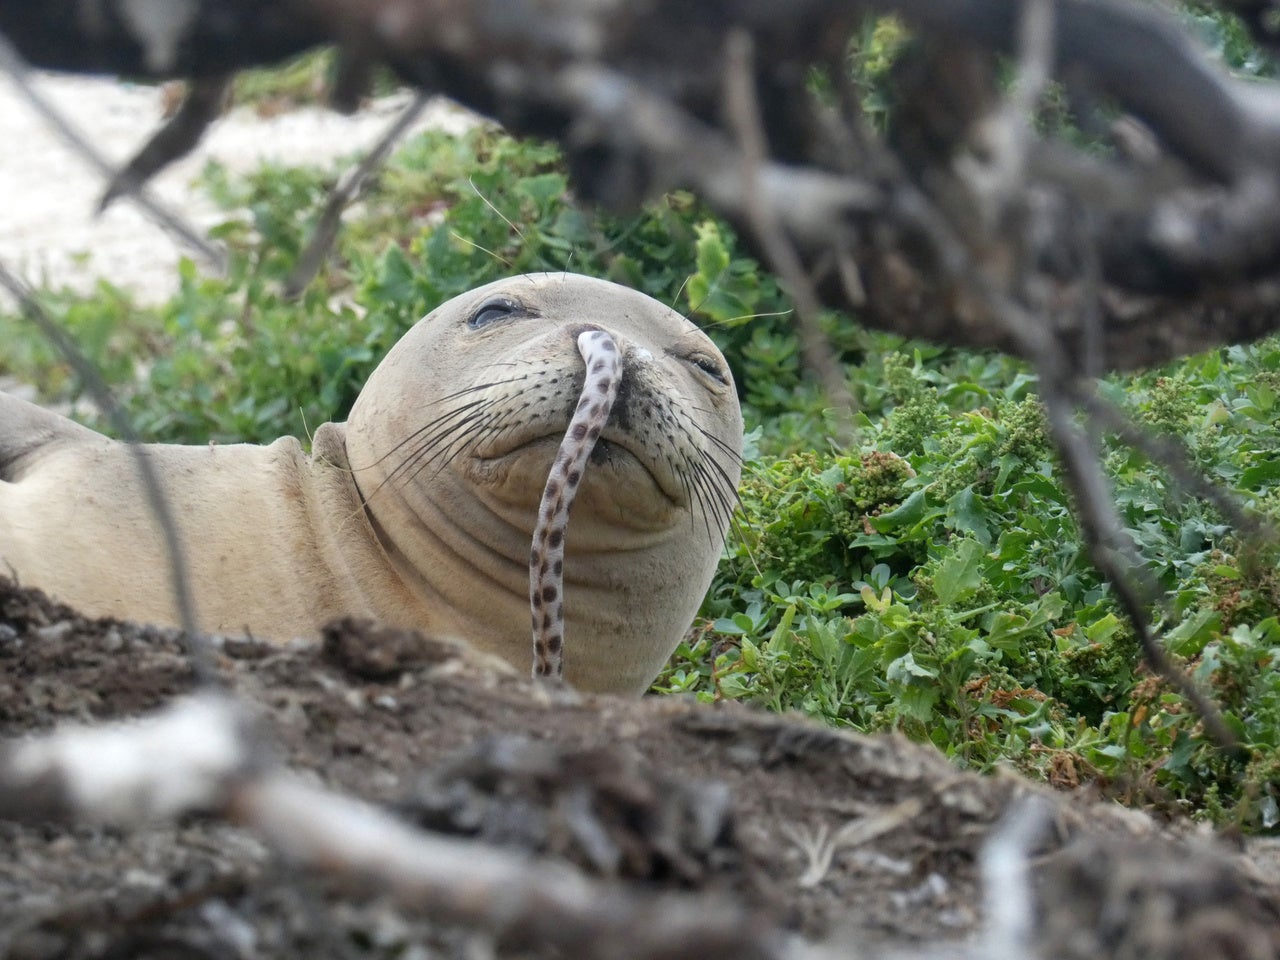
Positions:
{"x": 871, "y": 843}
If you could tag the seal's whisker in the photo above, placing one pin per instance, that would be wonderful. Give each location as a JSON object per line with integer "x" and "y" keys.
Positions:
{"x": 725, "y": 478}
{"x": 690, "y": 497}
{"x": 450, "y": 453}
{"x": 489, "y": 203}
{"x": 399, "y": 469}
{"x": 459, "y": 435}
{"x": 723, "y": 487}
{"x": 711, "y": 498}
{"x": 486, "y": 385}
{"x": 444, "y": 426}
{"x": 732, "y": 451}
{"x": 444, "y": 416}
{"x": 733, "y": 508}
{"x": 714, "y": 498}
{"x": 425, "y": 446}
{"x": 747, "y": 316}
{"x": 676, "y": 299}
{"x": 501, "y": 259}
{"x": 492, "y": 434}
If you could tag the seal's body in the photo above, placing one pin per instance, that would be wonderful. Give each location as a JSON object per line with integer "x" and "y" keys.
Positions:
{"x": 420, "y": 509}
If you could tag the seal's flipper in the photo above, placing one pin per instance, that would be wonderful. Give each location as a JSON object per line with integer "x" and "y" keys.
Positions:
{"x": 27, "y": 430}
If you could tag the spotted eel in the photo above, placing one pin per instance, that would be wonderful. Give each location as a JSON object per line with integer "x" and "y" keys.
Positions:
{"x": 546, "y": 559}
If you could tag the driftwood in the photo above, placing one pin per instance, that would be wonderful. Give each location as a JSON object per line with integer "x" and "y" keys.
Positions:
{"x": 1163, "y": 243}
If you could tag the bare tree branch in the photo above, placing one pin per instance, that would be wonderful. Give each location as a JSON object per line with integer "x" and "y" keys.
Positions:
{"x": 343, "y": 194}
{"x": 172, "y": 141}
{"x": 1186, "y": 239}
{"x": 762, "y": 215}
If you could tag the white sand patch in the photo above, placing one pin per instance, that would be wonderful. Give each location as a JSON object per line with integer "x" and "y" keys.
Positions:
{"x": 49, "y": 231}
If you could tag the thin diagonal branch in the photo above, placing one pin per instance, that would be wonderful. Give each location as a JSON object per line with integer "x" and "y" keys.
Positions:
{"x": 179, "y": 573}
{"x": 172, "y": 141}
{"x": 346, "y": 191}
{"x": 744, "y": 116}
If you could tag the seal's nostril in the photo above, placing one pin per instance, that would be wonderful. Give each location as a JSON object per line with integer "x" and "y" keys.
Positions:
{"x": 575, "y": 330}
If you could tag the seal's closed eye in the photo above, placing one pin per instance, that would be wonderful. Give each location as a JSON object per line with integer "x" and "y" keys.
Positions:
{"x": 708, "y": 365}
{"x": 493, "y": 310}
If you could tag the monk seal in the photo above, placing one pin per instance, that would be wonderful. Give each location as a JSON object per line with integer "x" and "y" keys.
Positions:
{"x": 420, "y": 509}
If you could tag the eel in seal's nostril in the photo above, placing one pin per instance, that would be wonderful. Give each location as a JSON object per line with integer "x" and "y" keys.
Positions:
{"x": 546, "y": 558}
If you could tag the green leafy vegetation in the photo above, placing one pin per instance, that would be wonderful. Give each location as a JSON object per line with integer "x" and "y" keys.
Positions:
{"x": 927, "y": 579}
{"x": 932, "y": 581}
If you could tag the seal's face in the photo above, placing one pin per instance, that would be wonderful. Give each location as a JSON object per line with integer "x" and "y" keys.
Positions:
{"x": 454, "y": 435}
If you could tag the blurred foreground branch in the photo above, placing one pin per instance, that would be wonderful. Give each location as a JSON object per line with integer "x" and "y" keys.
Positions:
{"x": 1177, "y": 201}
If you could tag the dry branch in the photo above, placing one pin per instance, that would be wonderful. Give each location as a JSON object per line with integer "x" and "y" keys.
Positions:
{"x": 12, "y": 64}
{"x": 1185, "y": 234}
{"x": 196, "y": 643}
{"x": 199, "y": 108}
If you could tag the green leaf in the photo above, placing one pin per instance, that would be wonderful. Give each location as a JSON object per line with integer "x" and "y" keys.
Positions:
{"x": 905, "y": 668}
{"x": 912, "y": 511}
{"x": 1261, "y": 474}
{"x": 917, "y": 701}
{"x": 1103, "y": 629}
{"x": 543, "y": 189}
{"x": 1189, "y": 637}
{"x": 722, "y": 289}
{"x": 960, "y": 572}
{"x": 967, "y": 513}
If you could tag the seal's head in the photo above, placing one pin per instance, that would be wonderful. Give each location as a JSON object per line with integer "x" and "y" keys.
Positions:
{"x": 453, "y": 437}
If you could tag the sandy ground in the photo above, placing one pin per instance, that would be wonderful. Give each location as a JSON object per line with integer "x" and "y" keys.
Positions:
{"x": 49, "y": 231}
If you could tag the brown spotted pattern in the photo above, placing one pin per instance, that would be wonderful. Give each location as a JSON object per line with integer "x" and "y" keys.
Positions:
{"x": 546, "y": 559}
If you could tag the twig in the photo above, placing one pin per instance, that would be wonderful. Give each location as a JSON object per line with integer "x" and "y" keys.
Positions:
{"x": 1135, "y": 52}
{"x": 1100, "y": 523}
{"x": 744, "y": 116}
{"x": 812, "y": 205}
{"x": 1006, "y": 883}
{"x": 1173, "y": 457}
{"x": 821, "y": 846}
{"x": 1008, "y": 132}
{"x": 1117, "y": 560}
{"x": 175, "y": 139}
{"x": 346, "y": 190}
{"x": 179, "y": 576}
{"x": 11, "y": 62}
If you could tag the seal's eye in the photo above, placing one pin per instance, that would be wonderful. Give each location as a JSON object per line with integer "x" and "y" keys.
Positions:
{"x": 493, "y": 309}
{"x": 710, "y": 366}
